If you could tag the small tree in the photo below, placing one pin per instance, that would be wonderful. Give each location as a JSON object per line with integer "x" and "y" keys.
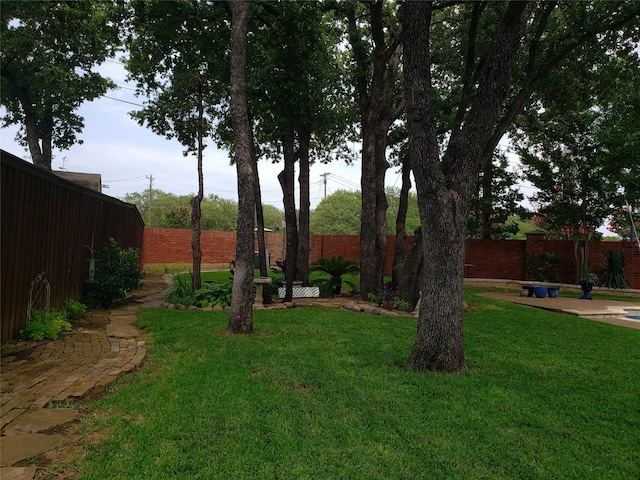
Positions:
{"x": 182, "y": 80}
{"x": 117, "y": 274}
{"x": 568, "y": 168}
{"x": 497, "y": 199}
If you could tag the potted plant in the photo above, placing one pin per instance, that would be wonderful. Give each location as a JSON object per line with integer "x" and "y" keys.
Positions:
{"x": 587, "y": 279}
{"x": 388, "y": 296}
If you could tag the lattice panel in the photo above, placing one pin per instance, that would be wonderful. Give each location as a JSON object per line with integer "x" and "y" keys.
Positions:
{"x": 301, "y": 292}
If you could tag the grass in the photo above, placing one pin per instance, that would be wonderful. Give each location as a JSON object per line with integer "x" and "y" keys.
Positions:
{"x": 167, "y": 268}
{"x": 225, "y": 276}
{"x": 322, "y": 394}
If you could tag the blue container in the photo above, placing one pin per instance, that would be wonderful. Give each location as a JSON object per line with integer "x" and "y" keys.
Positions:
{"x": 540, "y": 292}
{"x": 553, "y": 292}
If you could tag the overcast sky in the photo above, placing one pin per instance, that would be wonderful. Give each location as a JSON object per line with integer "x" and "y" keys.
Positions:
{"x": 126, "y": 155}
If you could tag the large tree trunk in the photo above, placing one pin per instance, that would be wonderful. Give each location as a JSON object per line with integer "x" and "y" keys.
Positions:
{"x": 439, "y": 342}
{"x": 487, "y": 199}
{"x": 370, "y": 276}
{"x": 375, "y": 98}
{"x": 241, "y": 316}
{"x": 46, "y": 133}
{"x": 304, "y": 236}
{"x": 401, "y": 218}
{"x": 287, "y": 182}
{"x": 445, "y": 186}
{"x": 262, "y": 249}
{"x": 411, "y": 279}
{"x": 196, "y": 251}
{"x": 196, "y": 203}
{"x": 33, "y": 139}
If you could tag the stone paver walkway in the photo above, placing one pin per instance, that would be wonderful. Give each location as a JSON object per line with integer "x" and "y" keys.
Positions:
{"x": 38, "y": 378}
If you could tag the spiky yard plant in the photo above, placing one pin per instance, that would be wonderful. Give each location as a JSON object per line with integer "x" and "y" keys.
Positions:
{"x": 336, "y": 268}
{"x": 613, "y": 275}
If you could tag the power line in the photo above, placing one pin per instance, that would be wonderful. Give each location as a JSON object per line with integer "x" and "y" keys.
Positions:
{"x": 124, "y": 86}
{"x": 172, "y": 182}
{"x": 123, "y": 101}
{"x": 345, "y": 182}
{"x": 126, "y": 179}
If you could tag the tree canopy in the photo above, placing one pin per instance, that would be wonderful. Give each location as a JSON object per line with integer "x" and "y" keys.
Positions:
{"x": 50, "y": 50}
{"x": 174, "y": 211}
{"x": 339, "y": 213}
{"x": 578, "y": 145}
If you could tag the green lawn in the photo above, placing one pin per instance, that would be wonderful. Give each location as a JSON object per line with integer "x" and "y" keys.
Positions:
{"x": 322, "y": 394}
{"x": 222, "y": 276}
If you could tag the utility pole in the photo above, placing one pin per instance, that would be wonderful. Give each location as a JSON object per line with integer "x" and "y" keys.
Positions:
{"x": 325, "y": 175}
{"x": 150, "y": 177}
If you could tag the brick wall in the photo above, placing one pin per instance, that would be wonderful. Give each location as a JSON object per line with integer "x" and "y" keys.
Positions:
{"x": 501, "y": 259}
{"x": 495, "y": 259}
{"x": 170, "y": 245}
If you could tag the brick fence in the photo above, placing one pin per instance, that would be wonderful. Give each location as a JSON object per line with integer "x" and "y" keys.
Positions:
{"x": 502, "y": 259}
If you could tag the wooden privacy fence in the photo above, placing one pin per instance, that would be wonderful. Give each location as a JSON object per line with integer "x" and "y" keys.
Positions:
{"x": 51, "y": 225}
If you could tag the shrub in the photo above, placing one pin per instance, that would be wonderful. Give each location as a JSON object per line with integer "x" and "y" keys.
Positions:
{"x": 213, "y": 294}
{"x": 336, "y": 268}
{"x": 373, "y": 298}
{"x": 181, "y": 292}
{"x": 613, "y": 275}
{"x": 74, "y": 310}
{"x": 541, "y": 267}
{"x": 277, "y": 281}
{"x": 40, "y": 327}
{"x": 117, "y": 274}
{"x": 402, "y": 305}
{"x": 326, "y": 286}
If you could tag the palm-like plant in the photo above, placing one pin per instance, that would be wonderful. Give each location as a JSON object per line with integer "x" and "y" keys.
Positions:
{"x": 613, "y": 276}
{"x": 335, "y": 267}
{"x": 586, "y": 275}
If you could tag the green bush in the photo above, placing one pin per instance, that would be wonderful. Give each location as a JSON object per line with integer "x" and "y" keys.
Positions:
{"x": 336, "y": 268}
{"x": 181, "y": 292}
{"x": 277, "y": 281}
{"x": 613, "y": 275}
{"x": 373, "y": 298}
{"x": 402, "y": 305}
{"x": 541, "y": 267}
{"x": 212, "y": 294}
{"x": 326, "y": 286}
{"x": 74, "y": 310}
{"x": 117, "y": 274}
{"x": 39, "y": 327}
